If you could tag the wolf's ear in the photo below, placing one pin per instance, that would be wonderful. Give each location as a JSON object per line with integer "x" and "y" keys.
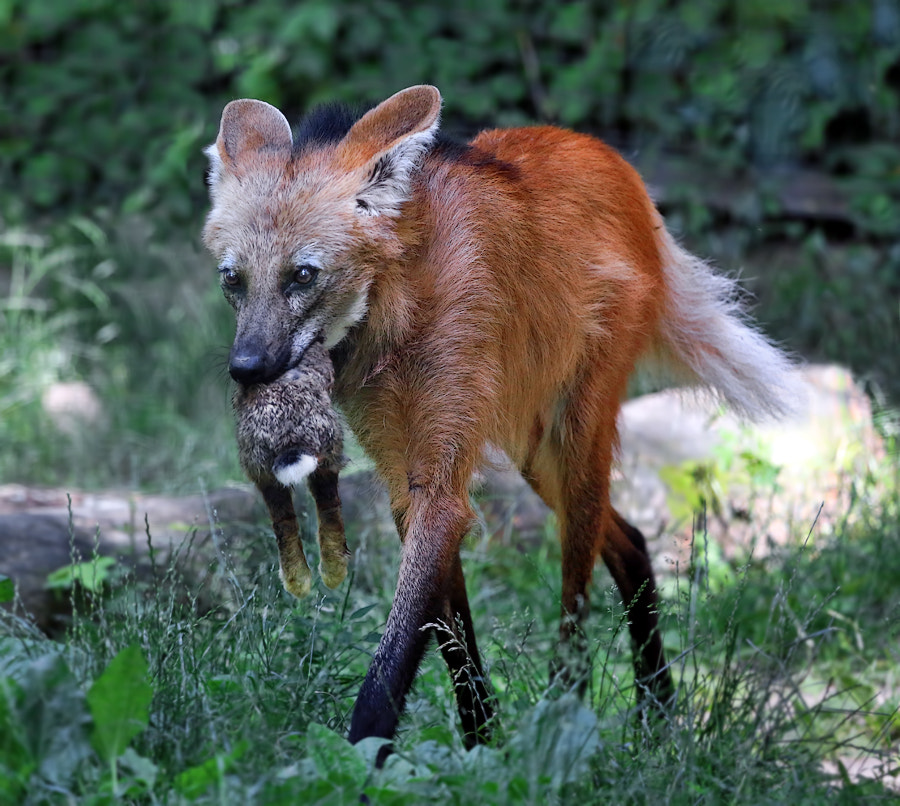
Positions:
{"x": 248, "y": 128}
{"x": 388, "y": 142}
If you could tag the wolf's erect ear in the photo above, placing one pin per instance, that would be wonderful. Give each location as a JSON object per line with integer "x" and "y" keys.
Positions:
{"x": 388, "y": 142}
{"x": 248, "y": 128}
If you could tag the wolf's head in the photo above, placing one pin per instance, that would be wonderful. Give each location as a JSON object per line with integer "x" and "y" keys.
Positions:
{"x": 301, "y": 226}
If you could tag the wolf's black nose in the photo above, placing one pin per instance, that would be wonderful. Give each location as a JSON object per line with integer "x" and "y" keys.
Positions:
{"x": 247, "y": 368}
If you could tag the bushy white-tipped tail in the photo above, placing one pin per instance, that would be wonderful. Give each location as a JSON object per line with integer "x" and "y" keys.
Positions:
{"x": 705, "y": 331}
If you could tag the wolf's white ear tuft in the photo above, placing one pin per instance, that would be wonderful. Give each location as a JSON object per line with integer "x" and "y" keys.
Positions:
{"x": 387, "y": 144}
{"x": 215, "y": 165}
{"x": 249, "y": 129}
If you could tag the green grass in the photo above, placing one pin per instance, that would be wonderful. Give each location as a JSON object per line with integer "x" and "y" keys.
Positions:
{"x": 784, "y": 662}
{"x": 249, "y": 702}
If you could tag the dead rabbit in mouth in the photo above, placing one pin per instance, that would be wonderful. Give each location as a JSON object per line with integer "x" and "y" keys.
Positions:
{"x": 288, "y": 431}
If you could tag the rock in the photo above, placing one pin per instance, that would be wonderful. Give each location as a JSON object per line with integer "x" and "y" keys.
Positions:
{"x": 35, "y": 545}
{"x": 72, "y": 405}
{"x": 225, "y": 528}
{"x": 43, "y": 530}
{"x": 762, "y": 484}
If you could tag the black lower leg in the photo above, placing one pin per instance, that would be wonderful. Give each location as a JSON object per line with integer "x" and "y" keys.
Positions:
{"x": 456, "y": 638}
{"x": 382, "y": 697}
{"x": 431, "y": 544}
{"x": 572, "y": 667}
{"x": 629, "y": 563}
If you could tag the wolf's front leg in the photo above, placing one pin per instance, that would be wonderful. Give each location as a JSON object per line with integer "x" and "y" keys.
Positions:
{"x": 436, "y": 525}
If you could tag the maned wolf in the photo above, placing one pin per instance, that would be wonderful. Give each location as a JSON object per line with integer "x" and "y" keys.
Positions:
{"x": 287, "y": 431}
{"x": 499, "y": 292}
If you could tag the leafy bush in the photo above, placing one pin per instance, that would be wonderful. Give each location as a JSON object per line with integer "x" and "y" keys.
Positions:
{"x": 106, "y": 107}
{"x": 108, "y": 104}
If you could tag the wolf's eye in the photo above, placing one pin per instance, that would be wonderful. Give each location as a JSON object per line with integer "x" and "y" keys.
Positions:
{"x": 230, "y": 277}
{"x": 305, "y": 274}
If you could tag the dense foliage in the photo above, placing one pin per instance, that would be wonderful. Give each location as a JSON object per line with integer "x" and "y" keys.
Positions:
{"x": 786, "y": 684}
{"x": 108, "y": 103}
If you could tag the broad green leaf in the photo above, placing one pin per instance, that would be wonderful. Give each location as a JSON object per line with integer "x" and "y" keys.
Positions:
{"x": 42, "y": 721}
{"x": 90, "y": 575}
{"x": 560, "y": 736}
{"x": 335, "y": 758}
{"x": 17, "y": 762}
{"x": 194, "y": 781}
{"x": 7, "y": 588}
{"x": 119, "y": 702}
{"x": 143, "y": 770}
